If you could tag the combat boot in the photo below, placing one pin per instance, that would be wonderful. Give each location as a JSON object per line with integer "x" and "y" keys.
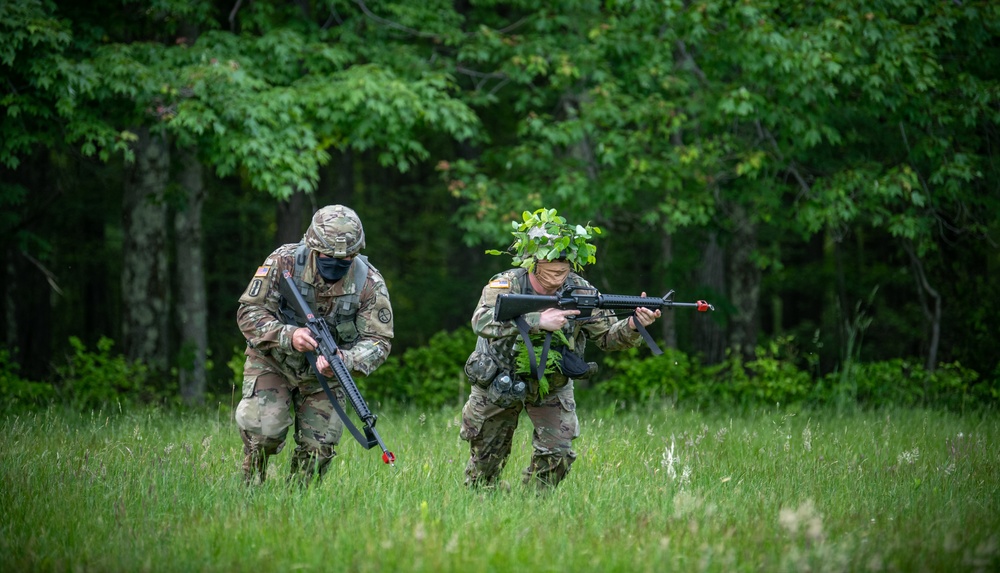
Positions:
{"x": 254, "y": 461}
{"x": 307, "y": 467}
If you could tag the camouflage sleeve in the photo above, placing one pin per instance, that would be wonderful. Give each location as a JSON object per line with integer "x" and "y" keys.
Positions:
{"x": 606, "y": 330}
{"x": 482, "y": 319}
{"x": 611, "y": 333}
{"x": 375, "y": 327}
{"x": 257, "y": 315}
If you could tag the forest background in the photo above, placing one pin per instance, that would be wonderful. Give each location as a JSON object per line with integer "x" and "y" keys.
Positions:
{"x": 824, "y": 172}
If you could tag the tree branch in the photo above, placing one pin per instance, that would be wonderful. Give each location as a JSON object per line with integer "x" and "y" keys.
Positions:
{"x": 689, "y": 59}
{"x": 934, "y": 318}
{"x": 49, "y": 275}
{"x": 391, "y": 24}
{"x": 333, "y": 16}
{"x": 766, "y": 134}
{"x": 232, "y": 15}
{"x": 484, "y": 77}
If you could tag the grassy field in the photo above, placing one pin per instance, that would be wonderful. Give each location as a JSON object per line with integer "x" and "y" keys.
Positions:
{"x": 657, "y": 490}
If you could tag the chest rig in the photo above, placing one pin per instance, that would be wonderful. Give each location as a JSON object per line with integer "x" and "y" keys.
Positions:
{"x": 345, "y": 307}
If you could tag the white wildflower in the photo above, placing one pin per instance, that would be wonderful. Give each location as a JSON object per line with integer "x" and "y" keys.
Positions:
{"x": 685, "y": 476}
{"x": 669, "y": 459}
{"x": 720, "y": 436}
{"x": 909, "y": 457}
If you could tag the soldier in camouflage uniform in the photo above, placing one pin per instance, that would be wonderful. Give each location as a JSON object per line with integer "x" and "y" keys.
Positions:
{"x": 489, "y": 420}
{"x": 349, "y": 293}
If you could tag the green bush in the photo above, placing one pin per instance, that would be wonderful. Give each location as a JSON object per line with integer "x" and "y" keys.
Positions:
{"x": 901, "y": 382}
{"x": 95, "y": 379}
{"x": 773, "y": 378}
{"x": 431, "y": 375}
{"x": 18, "y": 392}
{"x": 768, "y": 379}
{"x": 637, "y": 377}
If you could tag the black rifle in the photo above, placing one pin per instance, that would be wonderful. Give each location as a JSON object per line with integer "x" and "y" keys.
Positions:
{"x": 328, "y": 349}
{"x": 584, "y": 299}
{"x": 510, "y": 306}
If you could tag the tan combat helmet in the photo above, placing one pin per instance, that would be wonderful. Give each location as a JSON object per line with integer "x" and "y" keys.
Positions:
{"x": 336, "y": 231}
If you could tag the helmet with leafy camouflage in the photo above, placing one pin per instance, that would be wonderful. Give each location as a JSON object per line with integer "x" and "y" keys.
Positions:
{"x": 336, "y": 231}
{"x": 545, "y": 235}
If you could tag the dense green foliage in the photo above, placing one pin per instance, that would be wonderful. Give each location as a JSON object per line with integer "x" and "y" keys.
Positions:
{"x": 774, "y": 379}
{"x": 432, "y": 376}
{"x": 821, "y": 171}
{"x": 659, "y": 489}
{"x": 428, "y": 376}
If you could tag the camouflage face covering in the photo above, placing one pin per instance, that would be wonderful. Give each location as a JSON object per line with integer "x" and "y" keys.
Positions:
{"x": 336, "y": 231}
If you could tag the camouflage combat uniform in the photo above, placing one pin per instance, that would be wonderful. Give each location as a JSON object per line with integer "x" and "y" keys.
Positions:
{"x": 488, "y": 427}
{"x": 277, "y": 377}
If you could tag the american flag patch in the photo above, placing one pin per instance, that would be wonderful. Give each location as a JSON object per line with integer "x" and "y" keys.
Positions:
{"x": 500, "y": 283}
{"x": 262, "y": 271}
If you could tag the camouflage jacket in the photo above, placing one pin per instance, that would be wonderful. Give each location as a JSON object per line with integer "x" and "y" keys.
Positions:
{"x": 502, "y": 340}
{"x": 269, "y": 338}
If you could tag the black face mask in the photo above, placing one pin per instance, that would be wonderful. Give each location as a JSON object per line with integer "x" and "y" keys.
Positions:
{"x": 332, "y": 270}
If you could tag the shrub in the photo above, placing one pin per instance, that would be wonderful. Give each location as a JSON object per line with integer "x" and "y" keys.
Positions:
{"x": 18, "y": 392}
{"x": 768, "y": 379}
{"x": 772, "y": 377}
{"x": 637, "y": 377}
{"x": 94, "y": 379}
{"x": 431, "y": 375}
{"x": 902, "y": 382}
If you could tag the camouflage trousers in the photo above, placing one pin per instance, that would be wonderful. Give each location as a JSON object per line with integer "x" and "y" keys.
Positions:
{"x": 269, "y": 407}
{"x": 489, "y": 429}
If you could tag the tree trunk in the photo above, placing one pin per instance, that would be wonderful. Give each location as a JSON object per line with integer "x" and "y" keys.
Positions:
{"x": 933, "y": 315}
{"x": 10, "y": 306}
{"x": 291, "y": 219}
{"x": 668, "y": 322}
{"x": 337, "y": 180}
{"x": 192, "y": 309}
{"x": 145, "y": 286}
{"x": 709, "y": 335}
{"x": 744, "y": 279}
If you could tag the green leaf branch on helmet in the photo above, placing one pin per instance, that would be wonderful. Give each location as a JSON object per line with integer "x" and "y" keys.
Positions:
{"x": 545, "y": 235}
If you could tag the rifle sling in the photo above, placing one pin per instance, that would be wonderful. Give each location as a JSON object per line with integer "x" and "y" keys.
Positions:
{"x": 645, "y": 336}
{"x": 362, "y": 439}
{"x": 537, "y": 368}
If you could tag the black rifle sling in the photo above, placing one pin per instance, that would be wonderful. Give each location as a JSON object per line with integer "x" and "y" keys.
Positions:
{"x": 645, "y": 335}
{"x": 361, "y": 438}
{"x": 537, "y": 368}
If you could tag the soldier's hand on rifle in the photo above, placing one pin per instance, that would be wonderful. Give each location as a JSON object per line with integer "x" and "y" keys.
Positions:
{"x": 303, "y": 341}
{"x": 554, "y": 319}
{"x": 645, "y": 316}
{"x": 323, "y": 365}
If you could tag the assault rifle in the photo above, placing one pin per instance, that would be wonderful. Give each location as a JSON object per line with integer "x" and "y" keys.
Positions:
{"x": 585, "y": 300}
{"x": 328, "y": 349}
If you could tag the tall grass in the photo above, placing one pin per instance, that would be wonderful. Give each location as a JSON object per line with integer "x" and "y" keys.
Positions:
{"x": 654, "y": 490}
